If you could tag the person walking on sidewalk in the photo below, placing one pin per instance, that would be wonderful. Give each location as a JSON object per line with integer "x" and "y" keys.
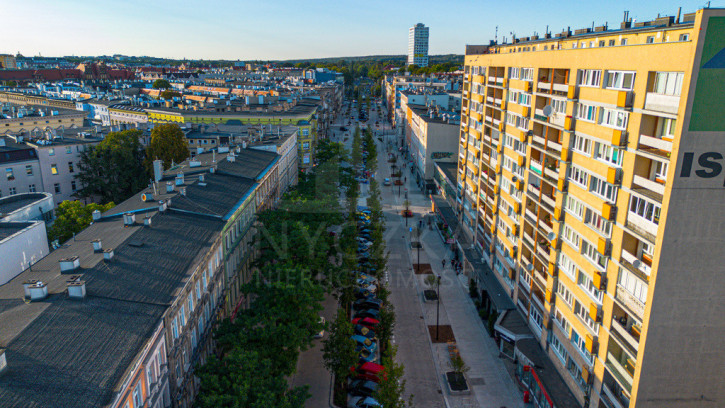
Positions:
{"x": 443, "y": 263}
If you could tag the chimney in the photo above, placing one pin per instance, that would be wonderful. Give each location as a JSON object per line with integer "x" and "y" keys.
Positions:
{"x": 26, "y": 286}
{"x": 96, "y": 215}
{"x": 169, "y": 187}
{"x": 147, "y": 221}
{"x": 201, "y": 178}
{"x": 97, "y": 247}
{"x": 179, "y": 179}
{"x": 37, "y": 291}
{"x": 69, "y": 264}
{"x": 162, "y": 206}
{"x": 76, "y": 287}
{"x": 129, "y": 219}
{"x": 108, "y": 254}
{"x": 158, "y": 170}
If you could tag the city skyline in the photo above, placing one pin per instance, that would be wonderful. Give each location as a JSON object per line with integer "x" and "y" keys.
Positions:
{"x": 281, "y": 31}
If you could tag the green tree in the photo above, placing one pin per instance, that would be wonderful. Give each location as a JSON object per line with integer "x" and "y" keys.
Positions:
{"x": 72, "y": 217}
{"x": 112, "y": 170}
{"x": 168, "y": 94}
{"x": 391, "y": 389}
{"x": 387, "y": 324}
{"x": 167, "y": 144}
{"x": 161, "y": 84}
{"x": 338, "y": 350}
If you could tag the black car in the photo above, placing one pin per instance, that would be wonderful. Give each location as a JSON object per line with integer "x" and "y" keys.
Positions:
{"x": 361, "y": 293}
{"x": 362, "y": 388}
{"x": 369, "y": 303}
{"x": 364, "y": 331}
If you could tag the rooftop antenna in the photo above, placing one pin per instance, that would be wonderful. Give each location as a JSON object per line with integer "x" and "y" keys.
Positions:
{"x": 495, "y": 37}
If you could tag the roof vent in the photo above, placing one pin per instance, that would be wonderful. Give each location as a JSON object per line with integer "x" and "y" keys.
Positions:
{"x": 38, "y": 291}
{"x": 69, "y": 264}
{"x": 129, "y": 219}
{"x": 26, "y": 286}
{"x": 179, "y": 179}
{"x": 182, "y": 190}
{"x": 162, "y": 206}
{"x": 147, "y": 197}
{"x": 97, "y": 247}
{"x": 76, "y": 287}
{"x": 201, "y": 178}
{"x": 212, "y": 170}
{"x": 147, "y": 221}
{"x": 231, "y": 158}
{"x": 96, "y": 215}
{"x": 194, "y": 163}
{"x": 169, "y": 187}
{"x": 108, "y": 254}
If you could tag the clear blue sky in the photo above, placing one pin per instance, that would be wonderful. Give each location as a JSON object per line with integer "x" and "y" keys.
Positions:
{"x": 284, "y": 29}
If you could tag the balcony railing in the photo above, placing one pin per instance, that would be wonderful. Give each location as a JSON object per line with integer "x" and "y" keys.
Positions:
{"x": 655, "y": 143}
{"x": 633, "y": 260}
{"x": 662, "y": 103}
{"x": 649, "y": 184}
{"x": 619, "y": 372}
{"x": 631, "y": 302}
{"x": 626, "y": 336}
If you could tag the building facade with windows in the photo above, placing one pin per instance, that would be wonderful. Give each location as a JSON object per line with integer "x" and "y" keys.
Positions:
{"x": 418, "y": 45}
{"x": 575, "y": 151}
{"x": 20, "y": 168}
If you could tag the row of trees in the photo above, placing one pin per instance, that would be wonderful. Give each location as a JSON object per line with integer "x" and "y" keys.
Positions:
{"x": 298, "y": 262}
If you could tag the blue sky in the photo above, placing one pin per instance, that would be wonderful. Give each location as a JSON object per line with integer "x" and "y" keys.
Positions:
{"x": 284, "y": 29}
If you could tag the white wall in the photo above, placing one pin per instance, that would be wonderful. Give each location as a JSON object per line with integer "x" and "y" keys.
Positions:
{"x": 21, "y": 249}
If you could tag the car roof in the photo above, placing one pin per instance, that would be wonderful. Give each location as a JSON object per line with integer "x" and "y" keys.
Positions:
{"x": 372, "y": 367}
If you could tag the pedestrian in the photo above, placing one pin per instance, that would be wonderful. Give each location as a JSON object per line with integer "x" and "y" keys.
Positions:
{"x": 443, "y": 262}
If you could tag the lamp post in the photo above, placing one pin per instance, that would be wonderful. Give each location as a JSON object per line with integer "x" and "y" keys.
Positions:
{"x": 438, "y": 307}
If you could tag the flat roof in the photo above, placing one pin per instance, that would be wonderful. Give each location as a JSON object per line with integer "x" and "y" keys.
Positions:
{"x": 8, "y": 229}
{"x": 17, "y": 201}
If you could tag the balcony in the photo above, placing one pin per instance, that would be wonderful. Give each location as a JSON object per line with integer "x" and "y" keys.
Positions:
{"x": 651, "y": 185}
{"x": 617, "y": 366}
{"x": 662, "y": 103}
{"x": 549, "y": 200}
{"x": 535, "y": 166}
{"x": 655, "y": 143}
{"x": 642, "y": 264}
{"x": 629, "y": 301}
{"x": 626, "y": 336}
{"x": 610, "y": 398}
{"x": 642, "y": 225}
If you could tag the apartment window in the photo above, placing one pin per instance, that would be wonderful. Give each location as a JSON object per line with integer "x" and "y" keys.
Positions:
{"x": 623, "y": 41}
{"x": 650, "y": 39}
{"x": 68, "y": 150}
{"x": 51, "y": 151}
{"x": 586, "y": 112}
{"x": 666, "y": 128}
{"x": 198, "y": 290}
{"x": 9, "y": 174}
{"x": 73, "y": 185}
{"x": 567, "y": 266}
{"x": 54, "y": 169}
{"x": 514, "y": 73}
{"x": 513, "y": 97}
{"x": 527, "y": 74}
{"x": 182, "y": 316}
{"x": 582, "y": 145}
{"x": 137, "y": 396}
{"x": 574, "y": 206}
{"x": 668, "y": 83}
{"x": 659, "y": 170}
{"x": 684, "y": 37}
{"x": 601, "y": 43}
{"x": 31, "y": 188}
{"x": 70, "y": 167}
{"x": 574, "y": 44}
{"x": 565, "y": 294}
{"x": 584, "y": 44}
{"x": 578, "y": 176}
{"x": 613, "y": 118}
{"x": 596, "y": 221}
{"x": 580, "y": 344}
{"x": 620, "y": 80}
{"x": 525, "y": 99}
{"x": 563, "y": 323}
{"x": 175, "y": 328}
{"x": 56, "y": 186}
{"x": 559, "y": 349}
{"x": 571, "y": 237}
{"x": 193, "y": 338}
{"x": 633, "y": 285}
{"x": 536, "y": 318}
{"x": 644, "y": 209}
{"x": 590, "y": 252}
{"x": 12, "y": 190}
{"x": 558, "y": 105}
{"x": 190, "y": 302}
{"x": 608, "y": 154}
{"x": 590, "y": 77}
{"x": 586, "y": 283}
{"x": 611, "y": 43}
{"x": 603, "y": 189}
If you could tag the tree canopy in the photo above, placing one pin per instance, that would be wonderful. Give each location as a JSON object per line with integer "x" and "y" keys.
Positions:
{"x": 167, "y": 144}
{"x": 72, "y": 217}
{"x": 112, "y": 170}
{"x": 161, "y": 84}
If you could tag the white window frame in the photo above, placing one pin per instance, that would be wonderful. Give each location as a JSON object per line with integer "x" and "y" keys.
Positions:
{"x": 590, "y": 77}
{"x": 586, "y": 112}
{"x": 613, "y": 118}
{"x": 623, "y": 80}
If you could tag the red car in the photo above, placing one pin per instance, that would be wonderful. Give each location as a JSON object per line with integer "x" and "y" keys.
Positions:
{"x": 370, "y": 371}
{"x": 368, "y": 322}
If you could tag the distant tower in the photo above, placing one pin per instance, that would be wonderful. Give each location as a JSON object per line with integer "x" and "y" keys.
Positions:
{"x": 418, "y": 45}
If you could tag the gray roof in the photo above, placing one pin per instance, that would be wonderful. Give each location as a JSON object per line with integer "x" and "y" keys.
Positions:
{"x": 450, "y": 169}
{"x": 7, "y": 229}
{"x": 214, "y": 196}
{"x": 250, "y": 163}
{"x": 17, "y": 201}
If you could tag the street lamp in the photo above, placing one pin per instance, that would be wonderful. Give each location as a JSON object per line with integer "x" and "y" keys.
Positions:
{"x": 438, "y": 307}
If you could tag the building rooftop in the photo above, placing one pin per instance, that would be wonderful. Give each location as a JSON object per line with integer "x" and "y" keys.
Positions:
{"x": 256, "y": 163}
{"x": 449, "y": 169}
{"x": 15, "y": 202}
{"x": 8, "y": 229}
{"x": 12, "y": 151}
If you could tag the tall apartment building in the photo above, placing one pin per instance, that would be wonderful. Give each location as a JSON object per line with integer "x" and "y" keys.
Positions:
{"x": 418, "y": 45}
{"x": 590, "y": 179}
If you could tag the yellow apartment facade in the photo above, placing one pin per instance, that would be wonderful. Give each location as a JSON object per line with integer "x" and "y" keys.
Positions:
{"x": 590, "y": 179}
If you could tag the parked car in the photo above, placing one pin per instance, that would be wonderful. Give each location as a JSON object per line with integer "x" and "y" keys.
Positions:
{"x": 367, "y": 303}
{"x": 364, "y": 402}
{"x": 368, "y": 322}
{"x": 361, "y": 330}
{"x": 363, "y": 342}
{"x": 387, "y": 182}
{"x": 361, "y": 293}
{"x": 362, "y": 388}
{"x": 375, "y": 314}
{"x": 370, "y": 371}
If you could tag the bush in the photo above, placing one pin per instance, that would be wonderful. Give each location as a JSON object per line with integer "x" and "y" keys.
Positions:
{"x": 473, "y": 289}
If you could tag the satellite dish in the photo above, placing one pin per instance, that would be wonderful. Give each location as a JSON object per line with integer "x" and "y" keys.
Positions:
{"x": 637, "y": 263}
{"x": 551, "y": 236}
{"x": 548, "y": 110}
{"x": 530, "y": 267}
